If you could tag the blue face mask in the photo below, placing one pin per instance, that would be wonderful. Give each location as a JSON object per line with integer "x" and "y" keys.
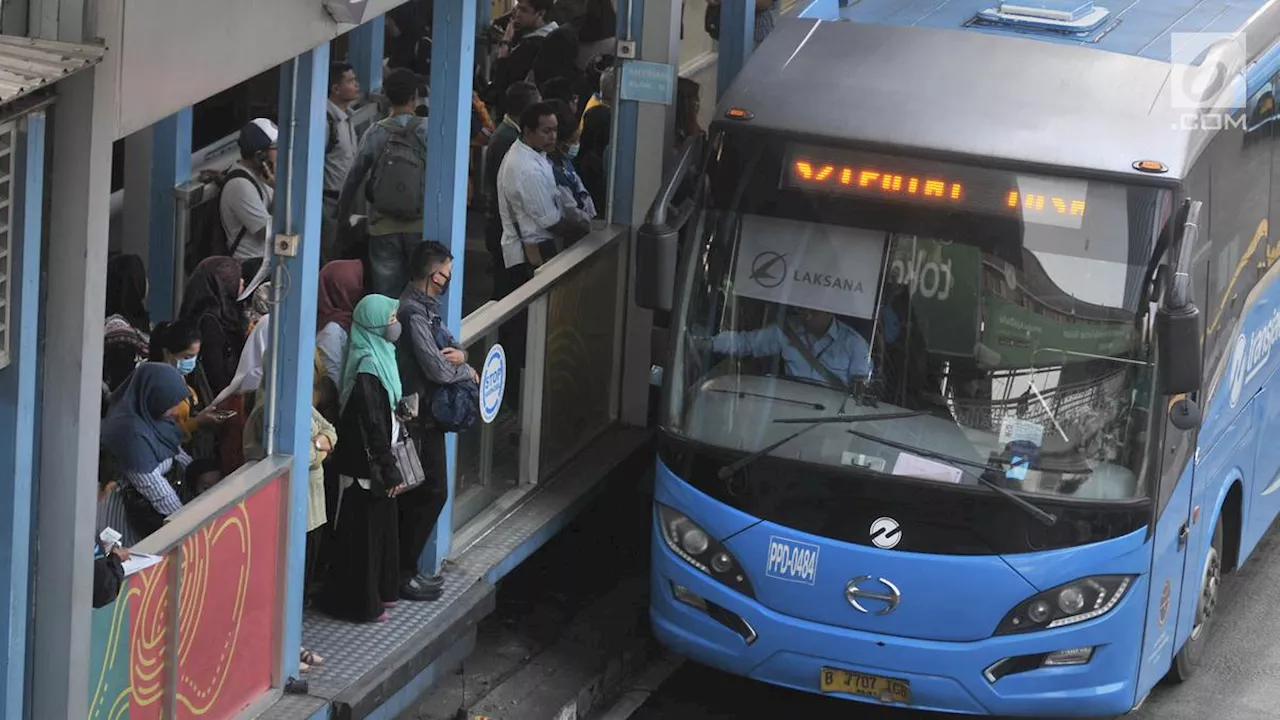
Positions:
{"x": 186, "y": 365}
{"x": 573, "y": 151}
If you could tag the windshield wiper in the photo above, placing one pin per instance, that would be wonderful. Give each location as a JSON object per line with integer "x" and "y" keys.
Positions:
{"x": 728, "y": 470}
{"x": 1032, "y": 509}
{"x": 744, "y": 393}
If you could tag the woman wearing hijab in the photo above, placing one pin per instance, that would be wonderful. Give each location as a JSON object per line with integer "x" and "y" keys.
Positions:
{"x": 178, "y": 344}
{"x": 128, "y": 326}
{"x": 364, "y": 578}
{"x": 142, "y": 436}
{"x": 210, "y": 303}
{"x": 341, "y": 287}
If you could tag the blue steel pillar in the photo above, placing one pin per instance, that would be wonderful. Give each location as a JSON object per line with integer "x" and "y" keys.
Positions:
{"x": 79, "y": 210}
{"x": 18, "y": 409}
{"x": 170, "y": 165}
{"x": 737, "y": 40}
{"x": 365, "y": 53}
{"x": 445, "y": 213}
{"x": 300, "y": 178}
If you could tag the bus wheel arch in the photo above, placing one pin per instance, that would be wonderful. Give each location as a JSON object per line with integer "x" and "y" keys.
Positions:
{"x": 1221, "y": 557}
{"x": 1232, "y": 521}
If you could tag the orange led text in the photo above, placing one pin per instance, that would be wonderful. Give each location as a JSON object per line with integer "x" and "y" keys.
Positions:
{"x": 878, "y": 181}
{"x": 1045, "y": 203}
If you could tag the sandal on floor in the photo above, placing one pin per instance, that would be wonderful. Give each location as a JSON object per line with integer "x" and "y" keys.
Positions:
{"x": 303, "y": 667}
{"x": 383, "y": 617}
{"x": 311, "y": 658}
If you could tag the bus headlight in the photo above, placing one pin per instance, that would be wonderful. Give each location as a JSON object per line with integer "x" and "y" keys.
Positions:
{"x": 1068, "y": 604}
{"x": 696, "y": 547}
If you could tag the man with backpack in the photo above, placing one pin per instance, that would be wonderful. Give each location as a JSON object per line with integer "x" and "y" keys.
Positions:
{"x": 339, "y": 152}
{"x": 393, "y": 157}
{"x": 244, "y": 204}
{"x": 434, "y": 368}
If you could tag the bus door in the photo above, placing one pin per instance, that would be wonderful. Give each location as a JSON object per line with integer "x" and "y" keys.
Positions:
{"x": 1172, "y": 459}
{"x": 1169, "y": 546}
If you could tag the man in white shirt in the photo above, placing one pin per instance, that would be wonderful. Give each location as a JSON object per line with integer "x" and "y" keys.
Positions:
{"x": 530, "y": 205}
{"x": 245, "y": 201}
{"x": 339, "y": 151}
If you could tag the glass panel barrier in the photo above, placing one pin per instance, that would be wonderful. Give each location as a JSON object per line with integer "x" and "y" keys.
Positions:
{"x": 488, "y": 453}
{"x": 215, "y": 589}
{"x": 561, "y": 335}
{"x": 578, "y": 375}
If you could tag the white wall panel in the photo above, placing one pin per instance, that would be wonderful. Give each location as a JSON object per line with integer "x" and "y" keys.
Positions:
{"x": 174, "y": 53}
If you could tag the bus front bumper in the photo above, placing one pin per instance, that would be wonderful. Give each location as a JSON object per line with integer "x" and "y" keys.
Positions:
{"x": 952, "y": 677}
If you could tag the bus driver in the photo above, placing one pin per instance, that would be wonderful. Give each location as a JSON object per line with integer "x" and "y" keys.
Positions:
{"x": 813, "y": 345}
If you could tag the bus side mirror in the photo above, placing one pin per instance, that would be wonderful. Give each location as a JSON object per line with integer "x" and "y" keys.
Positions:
{"x": 1178, "y": 343}
{"x": 1178, "y": 319}
{"x": 658, "y": 239}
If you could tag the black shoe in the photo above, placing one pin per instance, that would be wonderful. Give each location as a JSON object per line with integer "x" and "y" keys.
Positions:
{"x": 420, "y": 589}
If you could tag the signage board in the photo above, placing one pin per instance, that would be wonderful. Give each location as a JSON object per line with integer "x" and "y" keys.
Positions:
{"x": 810, "y": 265}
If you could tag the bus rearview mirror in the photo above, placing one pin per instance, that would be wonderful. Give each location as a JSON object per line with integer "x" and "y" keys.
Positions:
{"x": 1178, "y": 341}
{"x": 658, "y": 240}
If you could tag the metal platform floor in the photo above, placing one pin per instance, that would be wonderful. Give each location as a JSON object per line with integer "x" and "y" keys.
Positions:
{"x": 383, "y": 667}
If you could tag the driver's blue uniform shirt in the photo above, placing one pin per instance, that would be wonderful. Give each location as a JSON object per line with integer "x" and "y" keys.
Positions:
{"x": 841, "y": 349}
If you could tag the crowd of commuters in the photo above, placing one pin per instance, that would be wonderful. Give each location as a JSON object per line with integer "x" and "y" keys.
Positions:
{"x": 184, "y": 401}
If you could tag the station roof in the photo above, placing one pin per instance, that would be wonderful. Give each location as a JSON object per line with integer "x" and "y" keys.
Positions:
{"x": 29, "y": 64}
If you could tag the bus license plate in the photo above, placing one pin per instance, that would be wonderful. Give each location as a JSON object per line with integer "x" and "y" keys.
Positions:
{"x": 884, "y": 689}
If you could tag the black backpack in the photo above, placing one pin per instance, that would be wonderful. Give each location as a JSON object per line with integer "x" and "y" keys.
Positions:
{"x": 397, "y": 185}
{"x": 207, "y": 237}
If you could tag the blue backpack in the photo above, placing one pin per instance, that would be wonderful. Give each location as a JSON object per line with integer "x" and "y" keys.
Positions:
{"x": 453, "y": 407}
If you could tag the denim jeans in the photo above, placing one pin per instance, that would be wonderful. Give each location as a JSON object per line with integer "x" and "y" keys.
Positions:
{"x": 389, "y": 262}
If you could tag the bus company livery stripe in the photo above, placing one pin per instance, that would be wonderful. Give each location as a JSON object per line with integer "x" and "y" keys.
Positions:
{"x": 792, "y": 560}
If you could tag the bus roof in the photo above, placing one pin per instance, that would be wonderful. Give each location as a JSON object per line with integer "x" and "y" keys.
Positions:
{"x": 965, "y": 94}
{"x": 1132, "y": 27}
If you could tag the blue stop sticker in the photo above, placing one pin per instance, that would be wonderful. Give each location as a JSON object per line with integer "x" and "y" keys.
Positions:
{"x": 493, "y": 381}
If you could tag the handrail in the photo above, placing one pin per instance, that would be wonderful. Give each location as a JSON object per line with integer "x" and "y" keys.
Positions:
{"x": 211, "y": 505}
{"x": 493, "y": 314}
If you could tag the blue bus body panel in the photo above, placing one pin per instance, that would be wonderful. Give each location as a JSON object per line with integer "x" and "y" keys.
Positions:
{"x": 1143, "y": 30}
{"x": 940, "y": 637}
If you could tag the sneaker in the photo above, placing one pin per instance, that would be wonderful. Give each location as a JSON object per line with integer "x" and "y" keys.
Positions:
{"x": 420, "y": 589}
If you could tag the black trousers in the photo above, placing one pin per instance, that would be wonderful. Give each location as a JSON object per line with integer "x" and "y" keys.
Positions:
{"x": 362, "y": 558}
{"x": 419, "y": 509}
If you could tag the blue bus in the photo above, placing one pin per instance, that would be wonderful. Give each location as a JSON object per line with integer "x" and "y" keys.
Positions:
{"x": 971, "y": 309}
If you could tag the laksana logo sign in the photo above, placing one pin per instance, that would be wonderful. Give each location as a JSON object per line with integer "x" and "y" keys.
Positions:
{"x": 1251, "y": 354}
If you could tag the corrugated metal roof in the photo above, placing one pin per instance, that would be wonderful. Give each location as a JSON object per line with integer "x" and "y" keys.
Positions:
{"x": 28, "y": 64}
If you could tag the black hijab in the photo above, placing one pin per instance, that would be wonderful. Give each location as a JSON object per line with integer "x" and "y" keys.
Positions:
{"x": 135, "y": 430}
{"x": 127, "y": 291}
{"x": 212, "y": 289}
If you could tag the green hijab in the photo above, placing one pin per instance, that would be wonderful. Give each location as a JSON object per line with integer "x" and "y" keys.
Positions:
{"x": 368, "y": 351}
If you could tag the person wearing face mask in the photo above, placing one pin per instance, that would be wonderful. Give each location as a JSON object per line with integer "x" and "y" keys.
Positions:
{"x": 574, "y": 198}
{"x": 178, "y": 344}
{"x": 362, "y": 580}
{"x": 142, "y": 436}
{"x": 425, "y": 364}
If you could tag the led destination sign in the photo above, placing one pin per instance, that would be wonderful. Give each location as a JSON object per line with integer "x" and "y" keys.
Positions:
{"x": 1036, "y": 199}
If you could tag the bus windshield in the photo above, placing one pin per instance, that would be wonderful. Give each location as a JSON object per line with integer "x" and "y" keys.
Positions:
{"x": 1008, "y": 309}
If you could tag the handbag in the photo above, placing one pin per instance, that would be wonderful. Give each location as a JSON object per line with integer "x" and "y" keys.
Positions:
{"x": 405, "y": 453}
{"x": 408, "y": 461}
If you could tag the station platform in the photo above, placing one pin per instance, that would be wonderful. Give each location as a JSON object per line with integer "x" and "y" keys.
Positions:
{"x": 377, "y": 670}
